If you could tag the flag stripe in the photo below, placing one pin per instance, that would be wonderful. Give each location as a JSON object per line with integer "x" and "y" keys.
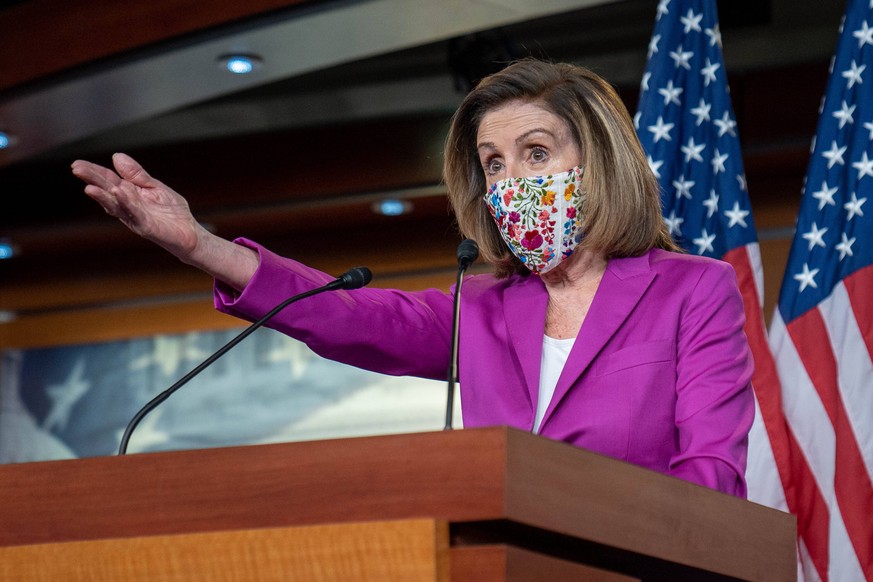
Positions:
{"x": 807, "y": 504}
{"x": 852, "y": 487}
{"x": 811, "y": 483}
{"x": 806, "y": 568}
{"x": 854, "y": 372}
{"x": 859, "y": 286}
{"x": 764, "y": 482}
{"x": 810, "y": 338}
{"x": 853, "y": 476}
{"x": 765, "y": 380}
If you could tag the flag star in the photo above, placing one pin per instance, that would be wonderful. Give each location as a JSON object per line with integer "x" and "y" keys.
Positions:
{"x": 681, "y": 58}
{"x": 708, "y": 72}
{"x": 674, "y": 223}
{"x": 806, "y": 278}
{"x": 863, "y": 34}
{"x": 845, "y": 114}
{"x": 683, "y": 187}
{"x": 835, "y": 155}
{"x": 704, "y": 242}
{"x": 869, "y": 127}
{"x": 853, "y": 75}
{"x": 702, "y": 112}
{"x": 714, "y": 35}
{"x": 661, "y": 130}
{"x": 671, "y": 93}
{"x": 655, "y": 166}
{"x": 692, "y": 21}
{"x": 845, "y": 246}
{"x": 644, "y": 84}
{"x": 825, "y": 195}
{"x": 692, "y": 150}
{"x": 725, "y": 125}
{"x": 814, "y": 236}
{"x": 662, "y": 8}
{"x": 737, "y": 216}
{"x": 711, "y": 204}
{"x": 854, "y": 206}
{"x": 741, "y": 178}
{"x": 718, "y": 161}
{"x": 864, "y": 166}
{"x": 653, "y": 45}
{"x": 637, "y": 116}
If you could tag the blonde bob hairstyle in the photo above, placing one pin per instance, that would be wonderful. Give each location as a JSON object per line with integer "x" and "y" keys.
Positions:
{"x": 622, "y": 210}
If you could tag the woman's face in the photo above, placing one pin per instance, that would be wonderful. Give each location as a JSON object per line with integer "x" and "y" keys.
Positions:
{"x": 521, "y": 139}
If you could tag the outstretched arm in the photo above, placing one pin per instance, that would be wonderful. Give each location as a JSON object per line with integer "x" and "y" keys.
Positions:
{"x": 159, "y": 214}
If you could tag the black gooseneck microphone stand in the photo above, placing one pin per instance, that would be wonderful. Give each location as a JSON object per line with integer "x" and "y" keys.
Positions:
{"x": 351, "y": 279}
{"x": 468, "y": 252}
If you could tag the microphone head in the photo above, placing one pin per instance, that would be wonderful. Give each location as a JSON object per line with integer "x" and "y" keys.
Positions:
{"x": 468, "y": 251}
{"x": 356, "y": 277}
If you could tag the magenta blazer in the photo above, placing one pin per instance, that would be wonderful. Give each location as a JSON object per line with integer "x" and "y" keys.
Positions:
{"x": 659, "y": 375}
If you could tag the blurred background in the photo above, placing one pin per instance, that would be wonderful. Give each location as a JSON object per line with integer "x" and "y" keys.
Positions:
{"x": 315, "y": 127}
{"x": 345, "y": 108}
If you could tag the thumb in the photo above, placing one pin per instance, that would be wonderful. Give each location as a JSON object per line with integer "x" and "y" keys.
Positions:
{"x": 130, "y": 170}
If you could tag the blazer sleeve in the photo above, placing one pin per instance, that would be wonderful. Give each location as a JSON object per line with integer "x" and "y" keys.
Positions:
{"x": 715, "y": 404}
{"x": 387, "y": 331}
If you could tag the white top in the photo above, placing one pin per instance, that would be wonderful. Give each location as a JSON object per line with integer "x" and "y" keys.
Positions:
{"x": 555, "y": 354}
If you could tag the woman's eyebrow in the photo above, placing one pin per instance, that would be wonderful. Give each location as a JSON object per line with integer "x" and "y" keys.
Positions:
{"x": 523, "y": 137}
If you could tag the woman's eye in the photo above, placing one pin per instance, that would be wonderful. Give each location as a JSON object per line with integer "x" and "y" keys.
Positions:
{"x": 493, "y": 167}
{"x": 538, "y": 155}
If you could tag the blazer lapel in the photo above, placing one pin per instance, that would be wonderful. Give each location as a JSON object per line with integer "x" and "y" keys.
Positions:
{"x": 620, "y": 290}
{"x": 525, "y": 314}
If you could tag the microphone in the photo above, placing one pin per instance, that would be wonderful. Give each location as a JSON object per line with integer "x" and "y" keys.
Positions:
{"x": 354, "y": 278}
{"x": 468, "y": 252}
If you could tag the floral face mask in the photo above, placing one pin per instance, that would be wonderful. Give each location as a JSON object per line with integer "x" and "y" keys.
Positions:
{"x": 539, "y": 217}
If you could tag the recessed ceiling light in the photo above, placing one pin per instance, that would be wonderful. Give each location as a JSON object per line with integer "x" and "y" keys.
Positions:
{"x": 392, "y": 207}
{"x": 7, "y": 140}
{"x": 240, "y": 64}
{"x": 7, "y": 250}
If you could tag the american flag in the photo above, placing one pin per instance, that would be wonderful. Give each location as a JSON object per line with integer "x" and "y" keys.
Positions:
{"x": 687, "y": 126}
{"x": 822, "y": 332}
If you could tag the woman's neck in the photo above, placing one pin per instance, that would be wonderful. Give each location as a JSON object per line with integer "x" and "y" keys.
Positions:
{"x": 571, "y": 287}
{"x": 578, "y": 271}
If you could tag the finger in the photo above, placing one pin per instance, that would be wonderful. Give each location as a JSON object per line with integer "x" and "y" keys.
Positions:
{"x": 94, "y": 174}
{"x": 131, "y": 170}
{"x": 110, "y": 204}
{"x": 104, "y": 198}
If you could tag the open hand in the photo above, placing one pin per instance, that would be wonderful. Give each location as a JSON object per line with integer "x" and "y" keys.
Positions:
{"x": 145, "y": 205}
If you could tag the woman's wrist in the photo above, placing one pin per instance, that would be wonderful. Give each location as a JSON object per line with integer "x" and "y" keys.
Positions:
{"x": 224, "y": 260}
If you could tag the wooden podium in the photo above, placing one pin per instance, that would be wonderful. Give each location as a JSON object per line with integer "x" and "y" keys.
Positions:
{"x": 474, "y": 504}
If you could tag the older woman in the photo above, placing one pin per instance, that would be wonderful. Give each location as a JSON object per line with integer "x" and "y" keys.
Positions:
{"x": 592, "y": 330}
